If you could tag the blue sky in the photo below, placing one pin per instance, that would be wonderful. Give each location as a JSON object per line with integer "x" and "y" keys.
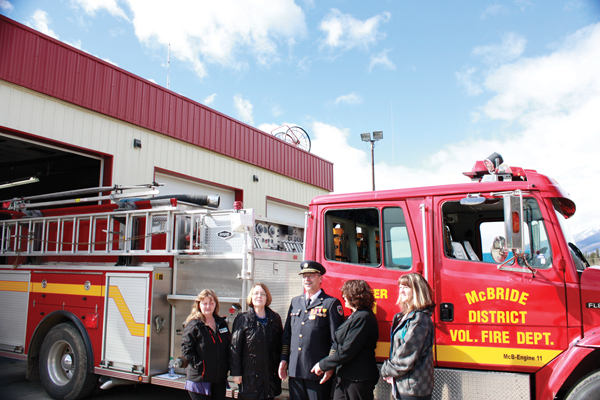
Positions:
{"x": 448, "y": 82}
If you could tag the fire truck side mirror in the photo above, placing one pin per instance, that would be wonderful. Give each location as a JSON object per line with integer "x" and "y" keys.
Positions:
{"x": 513, "y": 220}
{"x": 499, "y": 250}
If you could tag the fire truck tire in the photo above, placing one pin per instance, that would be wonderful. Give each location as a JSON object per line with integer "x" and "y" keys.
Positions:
{"x": 64, "y": 364}
{"x": 588, "y": 388}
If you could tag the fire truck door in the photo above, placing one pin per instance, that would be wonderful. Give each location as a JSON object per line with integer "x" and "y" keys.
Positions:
{"x": 14, "y": 297}
{"x": 126, "y": 324}
{"x": 489, "y": 318}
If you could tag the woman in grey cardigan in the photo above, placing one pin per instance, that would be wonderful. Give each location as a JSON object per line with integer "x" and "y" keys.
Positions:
{"x": 410, "y": 366}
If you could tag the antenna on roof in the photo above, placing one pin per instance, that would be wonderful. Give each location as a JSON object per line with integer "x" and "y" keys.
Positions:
{"x": 168, "y": 66}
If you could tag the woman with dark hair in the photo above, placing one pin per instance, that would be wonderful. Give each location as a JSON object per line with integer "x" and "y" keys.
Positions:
{"x": 356, "y": 340}
{"x": 256, "y": 347}
{"x": 410, "y": 366}
{"x": 205, "y": 346}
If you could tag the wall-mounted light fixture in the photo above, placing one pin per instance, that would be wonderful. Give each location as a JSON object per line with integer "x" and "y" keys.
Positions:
{"x": 19, "y": 182}
{"x": 254, "y": 178}
{"x": 137, "y": 144}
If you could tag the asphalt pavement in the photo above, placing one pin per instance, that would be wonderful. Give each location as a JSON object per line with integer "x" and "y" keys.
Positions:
{"x": 14, "y": 386}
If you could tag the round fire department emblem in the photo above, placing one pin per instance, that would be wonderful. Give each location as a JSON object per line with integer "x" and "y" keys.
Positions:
{"x": 87, "y": 285}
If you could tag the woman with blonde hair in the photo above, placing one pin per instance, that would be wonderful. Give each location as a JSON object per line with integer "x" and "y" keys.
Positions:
{"x": 205, "y": 346}
{"x": 410, "y": 366}
{"x": 256, "y": 347}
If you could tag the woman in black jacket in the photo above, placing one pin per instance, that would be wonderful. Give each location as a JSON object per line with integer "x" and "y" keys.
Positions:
{"x": 205, "y": 346}
{"x": 256, "y": 347}
{"x": 356, "y": 340}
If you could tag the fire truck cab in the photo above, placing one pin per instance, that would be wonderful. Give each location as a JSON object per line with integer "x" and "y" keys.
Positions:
{"x": 517, "y": 306}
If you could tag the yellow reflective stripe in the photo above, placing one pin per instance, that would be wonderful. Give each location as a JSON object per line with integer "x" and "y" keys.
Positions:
{"x": 135, "y": 328}
{"x": 382, "y": 349}
{"x": 66, "y": 288}
{"x": 496, "y": 355}
{"x": 13, "y": 286}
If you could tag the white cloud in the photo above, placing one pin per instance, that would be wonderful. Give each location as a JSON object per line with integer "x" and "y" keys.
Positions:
{"x": 351, "y": 99}
{"x": 510, "y": 49}
{"x": 40, "y": 22}
{"x": 223, "y": 32}
{"x": 465, "y": 79}
{"x": 6, "y": 6}
{"x": 494, "y": 9}
{"x": 351, "y": 166}
{"x": 346, "y": 32}
{"x": 209, "y": 99}
{"x": 551, "y": 103}
{"x": 76, "y": 44}
{"x": 304, "y": 64}
{"x": 552, "y": 84}
{"x": 244, "y": 109}
{"x": 91, "y": 6}
{"x": 381, "y": 59}
{"x": 276, "y": 110}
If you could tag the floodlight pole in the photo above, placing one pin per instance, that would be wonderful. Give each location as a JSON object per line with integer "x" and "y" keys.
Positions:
{"x": 366, "y": 137}
{"x": 373, "y": 163}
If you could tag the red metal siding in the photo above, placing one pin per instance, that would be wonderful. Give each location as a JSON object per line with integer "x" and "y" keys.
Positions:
{"x": 38, "y": 62}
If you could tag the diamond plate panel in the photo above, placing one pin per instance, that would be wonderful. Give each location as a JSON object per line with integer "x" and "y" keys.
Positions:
{"x": 283, "y": 281}
{"x": 216, "y": 240}
{"x": 470, "y": 385}
{"x": 461, "y": 384}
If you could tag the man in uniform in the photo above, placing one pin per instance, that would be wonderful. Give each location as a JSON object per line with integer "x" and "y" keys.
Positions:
{"x": 308, "y": 336}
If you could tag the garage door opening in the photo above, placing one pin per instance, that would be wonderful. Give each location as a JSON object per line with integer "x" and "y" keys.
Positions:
{"x": 53, "y": 169}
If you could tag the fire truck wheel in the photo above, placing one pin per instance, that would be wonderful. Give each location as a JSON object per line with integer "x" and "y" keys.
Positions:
{"x": 588, "y": 388}
{"x": 64, "y": 363}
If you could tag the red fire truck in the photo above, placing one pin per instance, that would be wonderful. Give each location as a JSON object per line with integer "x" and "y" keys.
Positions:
{"x": 517, "y": 306}
{"x": 102, "y": 290}
{"x": 95, "y": 295}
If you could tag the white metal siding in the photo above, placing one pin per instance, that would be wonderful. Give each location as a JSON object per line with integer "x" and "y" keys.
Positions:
{"x": 31, "y": 112}
{"x": 14, "y": 297}
{"x": 285, "y": 213}
{"x": 174, "y": 185}
{"x": 126, "y": 320}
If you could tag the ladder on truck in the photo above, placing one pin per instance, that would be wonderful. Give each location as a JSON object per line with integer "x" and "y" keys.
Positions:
{"x": 121, "y": 232}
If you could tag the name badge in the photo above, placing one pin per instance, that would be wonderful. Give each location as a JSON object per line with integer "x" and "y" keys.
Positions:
{"x": 223, "y": 330}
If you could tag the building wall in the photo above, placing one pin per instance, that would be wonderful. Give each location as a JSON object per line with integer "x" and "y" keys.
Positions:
{"x": 34, "y": 113}
{"x": 48, "y": 66}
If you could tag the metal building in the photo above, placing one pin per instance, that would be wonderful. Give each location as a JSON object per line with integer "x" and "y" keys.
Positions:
{"x": 74, "y": 121}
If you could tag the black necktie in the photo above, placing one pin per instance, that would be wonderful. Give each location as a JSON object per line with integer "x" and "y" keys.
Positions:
{"x": 307, "y": 302}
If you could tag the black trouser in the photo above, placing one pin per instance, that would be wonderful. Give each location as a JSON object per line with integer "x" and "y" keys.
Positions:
{"x": 306, "y": 389}
{"x": 354, "y": 390}
{"x": 217, "y": 392}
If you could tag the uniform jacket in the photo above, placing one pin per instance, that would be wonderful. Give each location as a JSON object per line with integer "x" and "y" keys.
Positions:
{"x": 255, "y": 353}
{"x": 206, "y": 352}
{"x": 411, "y": 354}
{"x": 309, "y": 334}
{"x": 356, "y": 340}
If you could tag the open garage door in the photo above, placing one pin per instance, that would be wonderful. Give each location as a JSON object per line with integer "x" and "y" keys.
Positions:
{"x": 29, "y": 168}
{"x": 285, "y": 212}
{"x": 176, "y": 185}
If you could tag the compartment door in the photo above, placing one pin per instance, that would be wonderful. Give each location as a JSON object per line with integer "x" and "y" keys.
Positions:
{"x": 14, "y": 297}
{"x": 126, "y": 326}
